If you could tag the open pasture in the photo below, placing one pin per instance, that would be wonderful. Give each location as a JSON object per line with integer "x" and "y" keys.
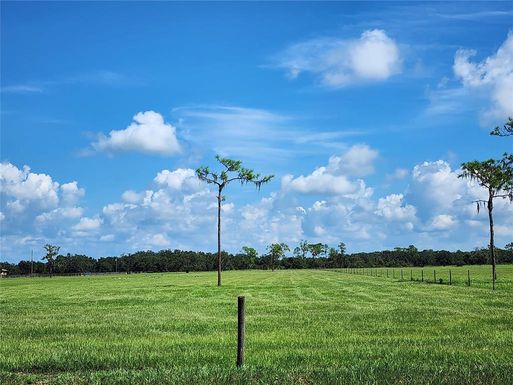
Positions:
{"x": 302, "y": 327}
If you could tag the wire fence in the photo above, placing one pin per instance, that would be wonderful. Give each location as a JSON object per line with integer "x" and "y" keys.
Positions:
{"x": 457, "y": 276}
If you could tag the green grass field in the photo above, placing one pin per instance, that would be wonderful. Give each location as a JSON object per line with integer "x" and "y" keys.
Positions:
{"x": 302, "y": 327}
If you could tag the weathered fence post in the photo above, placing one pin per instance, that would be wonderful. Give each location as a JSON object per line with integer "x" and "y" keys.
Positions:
{"x": 393, "y": 273}
{"x": 434, "y": 276}
{"x": 401, "y": 274}
{"x": 450, "y": 277}
{"x": 422, "y": 274}
{"x": 411, "y": 275}
{"x": 240, "y": 331}
{"x": 387, "y": 273}
{"x": 468, "y": 277}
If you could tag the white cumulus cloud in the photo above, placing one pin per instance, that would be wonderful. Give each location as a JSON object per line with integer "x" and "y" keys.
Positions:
{"x": 35, "y": 208}
{"x": 27, "y": 187}
{"x": 321, "y": 181}
{"x": 88, "y": 224}
{"x": 442, "y": 222}
{"x": 179, "y": 179}
{"x": 357, "y": 161}
{"x": 493, "y": 76}
{"x": 334, "y": 178}
{"x": 149, "y": 133}
{"x": 392, "y": 207}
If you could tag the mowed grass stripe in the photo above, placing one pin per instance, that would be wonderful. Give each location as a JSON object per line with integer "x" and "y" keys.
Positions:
{"x": 302, "y": 326}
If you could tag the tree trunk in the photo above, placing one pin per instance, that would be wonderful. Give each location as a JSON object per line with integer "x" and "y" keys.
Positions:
{"x": 219, "y": 198}
{"x": 492, "y": 248}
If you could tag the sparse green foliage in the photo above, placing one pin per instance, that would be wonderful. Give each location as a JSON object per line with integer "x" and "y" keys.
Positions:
{"x": 232, "y": 171}
{"x": 302, "y": 250}
{"x": 51, "y": 253}
{"x": 505, "y": 130}
{"x": 250, "y": 252}
{"x": 316, "y": 249}
{"x": 494, "y": 175}
{"x": 277, "y": 251}
{"x": 342, "y": 248}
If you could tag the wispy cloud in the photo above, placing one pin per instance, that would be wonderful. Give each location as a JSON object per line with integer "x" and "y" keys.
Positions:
{"x": 236, "y": 131}
{"x": 328, "y": 138}
{"x": 21, "y": 89}
{"x": 475, "y": 15}
{"x": 337, "y": 62}
{"x": 447, "y": 100}
{"x": 97, "y": 77}
{"x": 101, "y": 77}
{"x": 252, "y": 133}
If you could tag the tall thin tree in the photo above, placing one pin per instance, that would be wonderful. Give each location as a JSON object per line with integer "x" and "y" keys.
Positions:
{"x": 497, "y": 177}
{"x": 232, "y": 171}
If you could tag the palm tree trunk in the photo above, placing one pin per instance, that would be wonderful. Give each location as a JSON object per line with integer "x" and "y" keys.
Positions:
{"x": 219, "y": 198}
{"x": 492, "y": 248}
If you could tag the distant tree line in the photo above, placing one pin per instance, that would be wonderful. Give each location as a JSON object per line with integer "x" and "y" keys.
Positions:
{"x": 305, "y": 256}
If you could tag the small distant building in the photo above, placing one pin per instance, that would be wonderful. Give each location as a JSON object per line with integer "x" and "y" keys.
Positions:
{"x": 3, "y": 273}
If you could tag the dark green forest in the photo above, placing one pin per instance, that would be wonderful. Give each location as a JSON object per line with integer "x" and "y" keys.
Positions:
{"x": 315, "y": 256}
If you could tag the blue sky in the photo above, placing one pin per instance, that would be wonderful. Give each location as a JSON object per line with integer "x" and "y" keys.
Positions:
{"x": 362, "y": 111}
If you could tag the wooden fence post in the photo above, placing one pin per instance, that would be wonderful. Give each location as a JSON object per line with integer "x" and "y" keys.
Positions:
{"x": 468, "y": 277}
{"x": 411, "y": 275}
{"x": 434, "y": 276}
{"x": 240, "y": 331}
{"x": 450, "y": 277}
{"x": 401, "y": 274}
{"x": 422, "y": 273}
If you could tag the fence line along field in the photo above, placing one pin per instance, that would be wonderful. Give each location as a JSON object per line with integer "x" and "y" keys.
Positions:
{"x": 302, "y": 327}
{"x": 477, "y": 276}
